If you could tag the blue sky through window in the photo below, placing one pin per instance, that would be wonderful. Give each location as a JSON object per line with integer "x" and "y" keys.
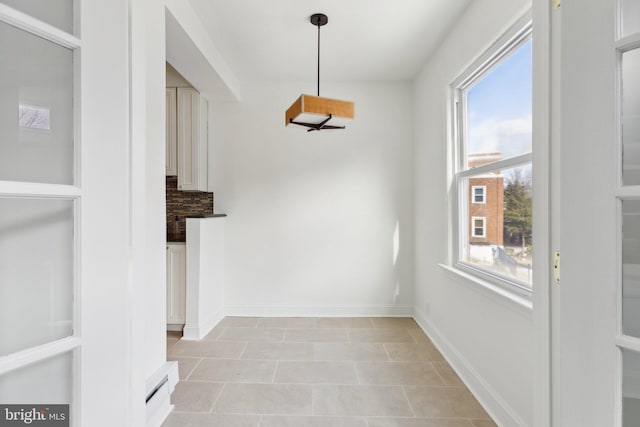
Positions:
{"x": 499, "y": 107}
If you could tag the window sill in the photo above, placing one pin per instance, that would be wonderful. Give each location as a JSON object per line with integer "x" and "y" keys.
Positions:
{"x": 490, "y": 288}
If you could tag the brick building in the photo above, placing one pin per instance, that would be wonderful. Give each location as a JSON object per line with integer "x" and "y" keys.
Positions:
{"x": 486, "y": 203}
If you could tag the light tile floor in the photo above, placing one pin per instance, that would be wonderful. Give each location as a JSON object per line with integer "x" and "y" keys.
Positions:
{"x": 318, "y": 372}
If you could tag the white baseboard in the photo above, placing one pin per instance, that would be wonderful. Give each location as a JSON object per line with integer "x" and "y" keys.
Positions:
{"x": 289, "y": 311}
{"x": 173, "y": 327}
{"x": 199, "y": 331}
{"x": 490, "y": 400}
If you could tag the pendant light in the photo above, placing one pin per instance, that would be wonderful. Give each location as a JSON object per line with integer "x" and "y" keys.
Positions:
{"x": 316, "y": 112}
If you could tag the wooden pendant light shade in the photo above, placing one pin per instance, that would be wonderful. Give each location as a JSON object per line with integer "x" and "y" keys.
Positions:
{"x": 315, "y": 112}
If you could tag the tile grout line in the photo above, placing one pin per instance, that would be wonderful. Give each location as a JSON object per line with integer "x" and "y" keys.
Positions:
{"x": 223, "y": 329}
{"x": 275, "y": 372}
{"x": 355, "y": 368}
{"x": 192, "y": 369}
{"x": 386, "y": 352}
{"x": 438, "y": 373}
{"x": 224, "y": 386}
{"x": 415, "y": 341}
{"x": 246, "y": 344}
{"x": 406, "y": 396}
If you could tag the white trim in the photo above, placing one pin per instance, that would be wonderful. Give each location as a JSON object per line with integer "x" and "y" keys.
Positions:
{"x": 484, "y": 226}
{"x": 628, "y": 192}
{"x": 175, "y": 327}
{"x": 481, "y": 389}
{"x": 38, "y": 28}
{"x": 627, "y": 342}
{"x": 31, "y": 355}
{"x": 515, "y": 36}
{"x": 504, "y": 292}
{"x": 628, "y": 43}
{"x": 541, "y": 234}
{"x": 32, "y": 189}
{"x": 318, "y": 311}
{"x": 484, "y": 194}
{"x": 199, "y": 331}
{"x": 509, "y": 163}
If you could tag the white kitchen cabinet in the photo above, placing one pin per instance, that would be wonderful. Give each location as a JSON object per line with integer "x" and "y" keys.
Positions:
{"x": 172, "y": 133}
{"x": 192, "y": 140}
{"x": 176, "y": 285}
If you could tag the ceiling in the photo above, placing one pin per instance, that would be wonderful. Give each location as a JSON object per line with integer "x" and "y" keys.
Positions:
{"x": 364, "y": 40}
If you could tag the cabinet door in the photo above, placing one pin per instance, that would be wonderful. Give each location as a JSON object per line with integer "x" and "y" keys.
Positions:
{"x": 203, "y": 143}
{"x": 172, "y": 133}
{"x": 191, "y": 156}
{"x": 176, "y": 284}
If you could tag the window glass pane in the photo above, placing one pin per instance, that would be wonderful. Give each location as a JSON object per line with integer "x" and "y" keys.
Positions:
{"x": 505, "y": 248}
{"x": 58, "y": 13}
{"x": 478, "y": 194}
{"x": 630, "y": 388}
{"x": 45, "y": 382}
{"x": 498, "y": 110}
{"x": 630, "y": 16}
{"x": 631, "y": 267}
{"x": 36, "y": 109}
{"x": 36, "y": 272}
{"x": 631, "y": 117}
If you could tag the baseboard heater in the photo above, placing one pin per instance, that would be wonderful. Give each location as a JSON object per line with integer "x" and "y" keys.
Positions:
{"x": 158, "y": 392}
{"x": 158, "y": 387}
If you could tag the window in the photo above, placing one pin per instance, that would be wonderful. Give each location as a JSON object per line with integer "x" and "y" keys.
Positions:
{"x": 478, "y": 224}
{"x": 479, "y": 194}
{"x": 492, "y": 131}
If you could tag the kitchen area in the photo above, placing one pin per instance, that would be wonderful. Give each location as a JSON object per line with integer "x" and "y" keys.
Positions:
{"x": 195, "y": 233}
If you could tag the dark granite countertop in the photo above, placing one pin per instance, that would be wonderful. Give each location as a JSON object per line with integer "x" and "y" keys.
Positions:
{"x": 215, "y": 215}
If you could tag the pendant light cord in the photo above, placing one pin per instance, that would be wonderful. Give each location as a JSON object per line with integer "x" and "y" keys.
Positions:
{"x": 318, "y": 59}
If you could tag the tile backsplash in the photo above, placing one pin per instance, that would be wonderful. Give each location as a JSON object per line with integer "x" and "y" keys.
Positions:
{"x": 184, "y": 204}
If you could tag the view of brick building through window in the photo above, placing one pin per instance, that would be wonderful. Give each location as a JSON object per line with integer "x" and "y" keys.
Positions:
{"x": 486, "y": 201}
{"x": 499, "y": 217}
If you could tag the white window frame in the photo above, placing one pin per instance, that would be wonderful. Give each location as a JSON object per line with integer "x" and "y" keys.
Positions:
{"x": 484, "y": 194}
{"x": 484, "y": 226}
{"x": 511, "y": 40}
{"x": 14, "y": 189}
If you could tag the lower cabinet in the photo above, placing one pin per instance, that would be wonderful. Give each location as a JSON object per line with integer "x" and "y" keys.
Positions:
{"x": 176, "y": 285}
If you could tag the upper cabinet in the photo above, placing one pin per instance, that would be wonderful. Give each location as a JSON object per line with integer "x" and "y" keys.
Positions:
{"x": 172, "y": 133}
{"x": 189, "y": 147}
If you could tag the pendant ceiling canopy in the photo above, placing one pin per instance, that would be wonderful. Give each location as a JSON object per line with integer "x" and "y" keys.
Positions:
{"x": 315, "y": 112}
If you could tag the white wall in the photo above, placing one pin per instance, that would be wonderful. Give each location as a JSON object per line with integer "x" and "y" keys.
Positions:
{"x": 313, "y": 216}
{"x": 487, "y": 338}
{"x": 107, "y": 379}
{"x": 147, "y": 270}
{"x": 147, "y": 181}
{"x": 204, "y": 276}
